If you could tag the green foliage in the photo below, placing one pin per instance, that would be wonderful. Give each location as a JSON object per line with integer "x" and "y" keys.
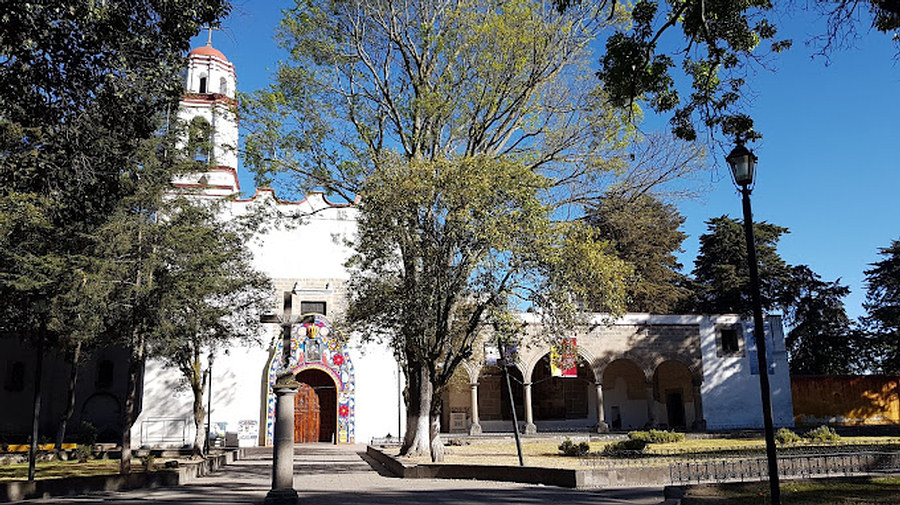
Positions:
{"x": 645, "y": 232}
{"x": 569, "y": 448}
{"x": 624, "y": 447}
{"x": 87, "y": 433}
{"x": 820, "y": 341}
{"x": 656, "y": 436}
{"x": 719, "y": 40}
{"x": 882, "y": 320}
{"x": 721, "y": 276}
{"x": 82, "y": 453}
{"x": 786, "y": 436}
{"x": 822, "y": 434}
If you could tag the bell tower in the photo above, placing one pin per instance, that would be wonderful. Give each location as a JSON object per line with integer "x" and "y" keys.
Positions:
{"x": 209, "y": 112}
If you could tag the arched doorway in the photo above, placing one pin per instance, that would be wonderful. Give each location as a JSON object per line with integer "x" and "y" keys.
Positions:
{"x": 673, "y": 384}
{"x": 560, "y": 398}
{"x": 315, "y": 407}
{"x": 493, "y": 395}
{"x": 625, "y": 399}
{"x": 319, "y": 359}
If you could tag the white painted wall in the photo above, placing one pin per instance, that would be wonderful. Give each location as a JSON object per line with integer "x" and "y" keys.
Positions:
{"x": 731, "y": 397}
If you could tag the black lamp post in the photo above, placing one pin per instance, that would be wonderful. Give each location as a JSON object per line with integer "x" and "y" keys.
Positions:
{"x": 743, "y": 167}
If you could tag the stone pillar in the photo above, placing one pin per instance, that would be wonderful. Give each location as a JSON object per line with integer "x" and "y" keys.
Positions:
{"x": 282, "y": 492}
{"x": 530, "y": 428}
{"x": 699, "y": 422}
{"x": 651, "y": 407}
{"x": 602, "y": 427}
{"x": 475, "y": 429}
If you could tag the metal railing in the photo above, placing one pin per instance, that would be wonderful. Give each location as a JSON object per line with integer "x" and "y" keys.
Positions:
{"x": 165, "y": 430}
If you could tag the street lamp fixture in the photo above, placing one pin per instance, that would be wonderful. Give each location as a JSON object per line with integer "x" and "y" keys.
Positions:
{"x": 743, "y": 167}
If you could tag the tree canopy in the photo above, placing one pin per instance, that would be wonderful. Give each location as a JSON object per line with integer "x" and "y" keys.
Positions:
{"x": 646, "y": 233}
{"x": 721, "y": 275}
{"x": 882, "y": 306}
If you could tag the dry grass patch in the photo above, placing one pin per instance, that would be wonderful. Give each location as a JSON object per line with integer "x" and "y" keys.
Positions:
{"x": 61, "y": 469}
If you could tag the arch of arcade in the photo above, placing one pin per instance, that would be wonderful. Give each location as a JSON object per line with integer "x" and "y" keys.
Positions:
{"x": 637, "y": 372}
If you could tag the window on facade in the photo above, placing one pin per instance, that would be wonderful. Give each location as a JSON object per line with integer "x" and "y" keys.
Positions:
{"x": 312, "y": 308}
{"x": 729, "y": 341}
{"x": 105, "y": 373}
{"x": 223, "y": 86}
{"x": 15, "y": 376}
{"x": 200, "y": 140}
{"x": 203, "y": 84}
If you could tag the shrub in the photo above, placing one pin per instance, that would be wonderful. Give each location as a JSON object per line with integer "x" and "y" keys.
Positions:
{"x": 147, "y": 461}
{"x": 82, "y": 453}
{"x": 786, "y": 436}
{"x": 625, "y": 446}
{"x": 656, "y": 436}
{"x": 569, "y": 448}
{"x": 665, "y": 437}
{"x": 822, "y": 434}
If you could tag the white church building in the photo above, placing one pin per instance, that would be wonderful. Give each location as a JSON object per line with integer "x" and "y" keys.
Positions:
{"x": 675, "y": 371}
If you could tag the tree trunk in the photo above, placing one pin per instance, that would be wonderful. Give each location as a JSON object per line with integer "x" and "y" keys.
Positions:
{"x": 198, "y": 383}
{"x": 417, "y": 439}
{"x": 36, "y": 412}
{"x": 437, "y": 445}
{"x": 70, "y": 398}
{"x": 135, "y": 363}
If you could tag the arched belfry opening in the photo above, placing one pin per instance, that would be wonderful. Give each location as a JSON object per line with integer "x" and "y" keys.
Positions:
{"x": 325, "y": 405}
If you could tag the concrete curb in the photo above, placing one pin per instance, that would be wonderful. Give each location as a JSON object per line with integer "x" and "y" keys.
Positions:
{"x": 579, "y": 479}
{"x": 23, "y": 490}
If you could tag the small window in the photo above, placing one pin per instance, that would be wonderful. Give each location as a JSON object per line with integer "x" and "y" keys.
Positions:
{"x": 312, "y": 308}
{"x": 15, "y": 376}
{"x": 203, "y": 84}
{"x": 223, "y": 86}
{"x": 729, "y": 341}
{"x": 105, "y": 373}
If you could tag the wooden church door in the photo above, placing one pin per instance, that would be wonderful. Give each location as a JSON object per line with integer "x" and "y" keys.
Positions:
{"x": 306, "y": 415}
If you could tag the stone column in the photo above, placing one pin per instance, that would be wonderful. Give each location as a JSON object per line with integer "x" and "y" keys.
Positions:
{"x": 699, "y": 422}
{"x": 602, "y": 427}
{"x": 475, "y": 429}
{"x": 530, "y": 428}
{"x": 282, "y": 492}
{"x": 651, "y": 407}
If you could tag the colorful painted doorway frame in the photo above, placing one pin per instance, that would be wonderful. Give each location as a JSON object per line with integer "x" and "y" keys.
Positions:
{"x": 314, "y": 337}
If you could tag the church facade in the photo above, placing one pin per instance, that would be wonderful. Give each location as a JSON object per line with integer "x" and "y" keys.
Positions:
{"x": 675, "y": 371}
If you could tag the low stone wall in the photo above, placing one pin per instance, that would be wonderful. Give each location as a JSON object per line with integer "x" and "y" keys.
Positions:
{"x": 562, "y": 477}
{"x": 23, "y": 490}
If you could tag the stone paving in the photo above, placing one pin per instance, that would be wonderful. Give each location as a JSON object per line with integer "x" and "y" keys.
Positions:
{"x": 331, "y": 475}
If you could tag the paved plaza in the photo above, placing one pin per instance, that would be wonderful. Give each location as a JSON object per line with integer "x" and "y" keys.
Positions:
{"x": 330, "y": 475}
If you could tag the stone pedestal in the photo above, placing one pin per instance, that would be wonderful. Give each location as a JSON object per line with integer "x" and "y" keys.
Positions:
{"x": 283, "y": 492}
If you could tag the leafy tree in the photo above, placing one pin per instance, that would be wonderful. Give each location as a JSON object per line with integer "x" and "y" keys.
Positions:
{"x": 882, "y": 306}
{"x": 444, "y": 250}
{"x": 721, "y": 279}
{"x": 80, "y": 88}
{"x": 645, "y": 232}
{"x": 419, "y": 108}
{"x": 208, "y": 294}
{"x": 821, "y": 340}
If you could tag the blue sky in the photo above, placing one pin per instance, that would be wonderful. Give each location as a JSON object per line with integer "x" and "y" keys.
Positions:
{"x": 829, "y": 160}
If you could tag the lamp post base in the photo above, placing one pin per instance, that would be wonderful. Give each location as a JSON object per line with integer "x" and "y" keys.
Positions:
{"x": 286, "y": 496}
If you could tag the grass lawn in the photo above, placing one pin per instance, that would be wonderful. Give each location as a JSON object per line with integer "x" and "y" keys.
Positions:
{"x": 882, "y": 491}
{"x": 59, "y": 469}
{"x": 545, "y": 452}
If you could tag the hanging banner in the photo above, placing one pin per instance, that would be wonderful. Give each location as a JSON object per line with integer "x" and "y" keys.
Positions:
{"x": 563, "y": 358}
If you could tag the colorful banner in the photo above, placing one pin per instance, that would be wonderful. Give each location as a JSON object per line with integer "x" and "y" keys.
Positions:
{"x": 563, "y": 358}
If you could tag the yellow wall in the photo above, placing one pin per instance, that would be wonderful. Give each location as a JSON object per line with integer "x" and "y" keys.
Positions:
{"x": 846, "y": 399}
